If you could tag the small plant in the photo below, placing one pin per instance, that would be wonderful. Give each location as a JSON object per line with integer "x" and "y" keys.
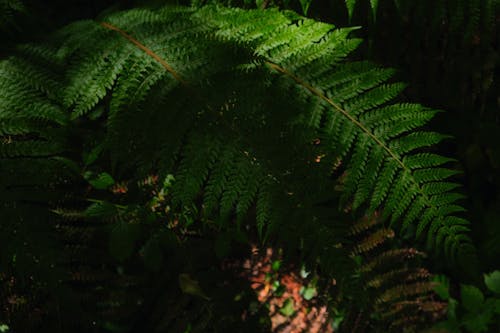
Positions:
{"x": 474, "y": 311}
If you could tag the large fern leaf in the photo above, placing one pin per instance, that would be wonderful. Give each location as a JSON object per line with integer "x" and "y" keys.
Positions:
{"x": 253, "y": 89}
{"x": 379, "y": 142}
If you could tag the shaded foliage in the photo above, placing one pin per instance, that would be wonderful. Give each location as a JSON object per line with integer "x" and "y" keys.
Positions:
{"x": 92, "y": 113}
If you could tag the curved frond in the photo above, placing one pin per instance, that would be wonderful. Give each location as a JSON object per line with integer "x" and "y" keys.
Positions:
{"x": 177, "y": 83}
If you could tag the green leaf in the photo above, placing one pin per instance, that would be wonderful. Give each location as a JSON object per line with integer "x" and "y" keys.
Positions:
{"x": 442, "y": 287}
{"x": 305, "y": 5}
{"x": 477, "y": 322}
{"x": 492, "y": 281}
{"x": 309, "y": 293}
{"x": 101, "y": 181}
{"x": 472, "y": 298}
{"x": 70, "y": 164}
{"x": 276, "y": 265}
{"x": 452, "y": 309}
{"x": 350, "y": 4}
{"x": 167, "y": 183}
{"x": 122, "y": 240}
{"x": 338, "y": 318}
{"x": 288, "y": 308}
{"x": 191, "y": 286}
{"x": 374, "y": 5}
{"x": 492, "y": 304}
{"x": 101, "y": 209}
{"x": 496, "y": 306}
{"x": 91, "y": 156}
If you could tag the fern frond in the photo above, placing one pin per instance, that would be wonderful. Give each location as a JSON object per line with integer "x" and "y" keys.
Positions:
{"x": 386, "y": 257}
{"x": 194, "y": 169}
{"x": 398, "y": 292}
{"x": 398, "y": 286}
{"x": 396, "y": 275}
{"x": 371, "y": 242}
{"x": 358, "y": 124}
{"x": 179, "y": 82}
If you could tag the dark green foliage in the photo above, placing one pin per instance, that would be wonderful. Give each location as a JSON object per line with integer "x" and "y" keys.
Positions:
{"x": 478, "y": 311}
{"x": 256, "y": 114}
{"x": 349, "y": 115}
{"x": 448, "y": 52}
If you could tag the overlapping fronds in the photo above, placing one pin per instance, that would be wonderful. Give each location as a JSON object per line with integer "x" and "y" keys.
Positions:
{"x": 378, "y": 142}
{"x": 400, "y": 290}
{"x": 229, "y": 102}
{"x": 249, "y": 115}
{"x": 31, "y": 118}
